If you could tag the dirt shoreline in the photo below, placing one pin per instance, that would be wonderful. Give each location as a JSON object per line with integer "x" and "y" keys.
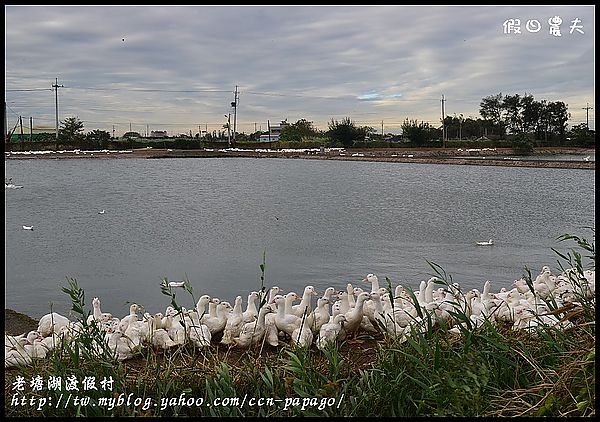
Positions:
{"x": 16, "y": 323}
{"x": 481, "y": 157}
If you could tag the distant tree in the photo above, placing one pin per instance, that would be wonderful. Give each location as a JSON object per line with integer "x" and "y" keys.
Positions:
{"x": 131, "y": 135}
{"x": 98, "y": 139}
{"x": 71, "y": 131}
{"x": 531, "y": 113}
{"x": 345, "y": 132}
{"x": 512, "y": 111}
{"x": 522, "y": 144}
{"x": 419, "y": 133}
{"x": 491, "y": 108}
{"x": 298, "y": 131}
{"x": 582, "y": 136}
{"x": 558, "y": 116}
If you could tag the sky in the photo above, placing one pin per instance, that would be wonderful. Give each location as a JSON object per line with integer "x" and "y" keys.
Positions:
{"x": 176, "y": 68}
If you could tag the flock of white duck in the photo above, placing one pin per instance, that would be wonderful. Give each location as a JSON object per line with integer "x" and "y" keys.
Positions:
{"x": 338, "y": 315}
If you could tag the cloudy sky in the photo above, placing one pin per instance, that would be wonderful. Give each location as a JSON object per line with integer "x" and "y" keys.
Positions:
{"x": 176, "y": 68}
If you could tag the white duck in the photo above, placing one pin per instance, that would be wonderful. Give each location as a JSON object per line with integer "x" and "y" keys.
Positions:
{"x": 373, "y": 280}
{"x": 52, "y": 323}
{"x": 305, "y": 306}
{"x": 251, "y": 312}
{"x": 253, "y": 332}
{"x": 198, "y": 333}
{"x": 134, "y": 308}
{"x": 17, "y": 355}
{"x": 521, "y": 285}
{"x": 235, "y": 322}
{"x": 343, "y": 303}
{"x": 545, "y": 283}
{"x": 97, "y": 314}
{"x": 330, "y": 294}
{"x": 158, "y": 335}
{"x": 175, "y": 329}
{"x": 285, "y": 322}
{"x": 214, "y": 320}
{"x": 331, "y": 332}
{"x": 302, "y": 336}
{"x": 320, "y": 315}
{"x": 272, "y": 292}
{"x": 351, "y": 291}
{"x": 385, "y": 320}
{"x": 201, "y": 305}
{"x": 122, "y": 346}
{"x": 355, "y": 315}
{"x": 290, "y": 298}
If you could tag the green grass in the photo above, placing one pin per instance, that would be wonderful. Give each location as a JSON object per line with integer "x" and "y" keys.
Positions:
{"x": 484, "y": 372}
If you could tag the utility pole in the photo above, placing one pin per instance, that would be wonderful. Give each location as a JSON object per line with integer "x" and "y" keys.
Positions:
{"x": 443, "y": 123}
{"x": 31, "y": 129}
{"x": 587, "y": 118}
{"x": 382, "y": 130}
{"x": 21, "y": 123}
{"x": 234, "y": 104}
{"x": 113, "y": 131}
{"x": 147, "y": 130}
{"x": 56, "y": 86}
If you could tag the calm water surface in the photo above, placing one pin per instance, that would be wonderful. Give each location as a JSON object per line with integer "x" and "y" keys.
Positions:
{"x": 324, "y": 223}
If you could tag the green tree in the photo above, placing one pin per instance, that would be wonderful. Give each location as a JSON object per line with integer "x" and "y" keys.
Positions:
{"x": 522, "y": 144}
{"x": 420, "y": 133}
{"x": 128, "y": 135}
{"x": 345, "y": 132}
{"x": 491, "y": 109}
{"x": 296, "y": 132}
{"x": 511, "y": 107}
{"x": 98, "y": 139}
{"x": 71, "y": 131}
{"x": 558, "y": 116}
{"x": 582, "y": 136}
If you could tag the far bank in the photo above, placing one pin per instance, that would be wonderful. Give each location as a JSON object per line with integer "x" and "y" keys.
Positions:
{"x": 459, "y": 156}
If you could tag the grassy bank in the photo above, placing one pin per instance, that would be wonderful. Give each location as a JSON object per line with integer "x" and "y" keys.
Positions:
{"x": 491, "y": 370}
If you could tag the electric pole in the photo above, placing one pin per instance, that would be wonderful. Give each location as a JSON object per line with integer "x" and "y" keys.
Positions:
{"x": 56, "y": 86}
{"x": 234, "y": 104}
{"x": 587, "y": 118}
{"x": 31, "y": 129}
{"x": 443, "y": 123}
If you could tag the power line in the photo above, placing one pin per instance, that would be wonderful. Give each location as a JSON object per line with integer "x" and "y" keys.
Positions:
{"x": 32, "y": 89}
{"x": 151, "y": 90}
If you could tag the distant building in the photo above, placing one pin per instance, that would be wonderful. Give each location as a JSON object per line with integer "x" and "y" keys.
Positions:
{"x": 158, "y": 134}
{"x": 275, "y": 132}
